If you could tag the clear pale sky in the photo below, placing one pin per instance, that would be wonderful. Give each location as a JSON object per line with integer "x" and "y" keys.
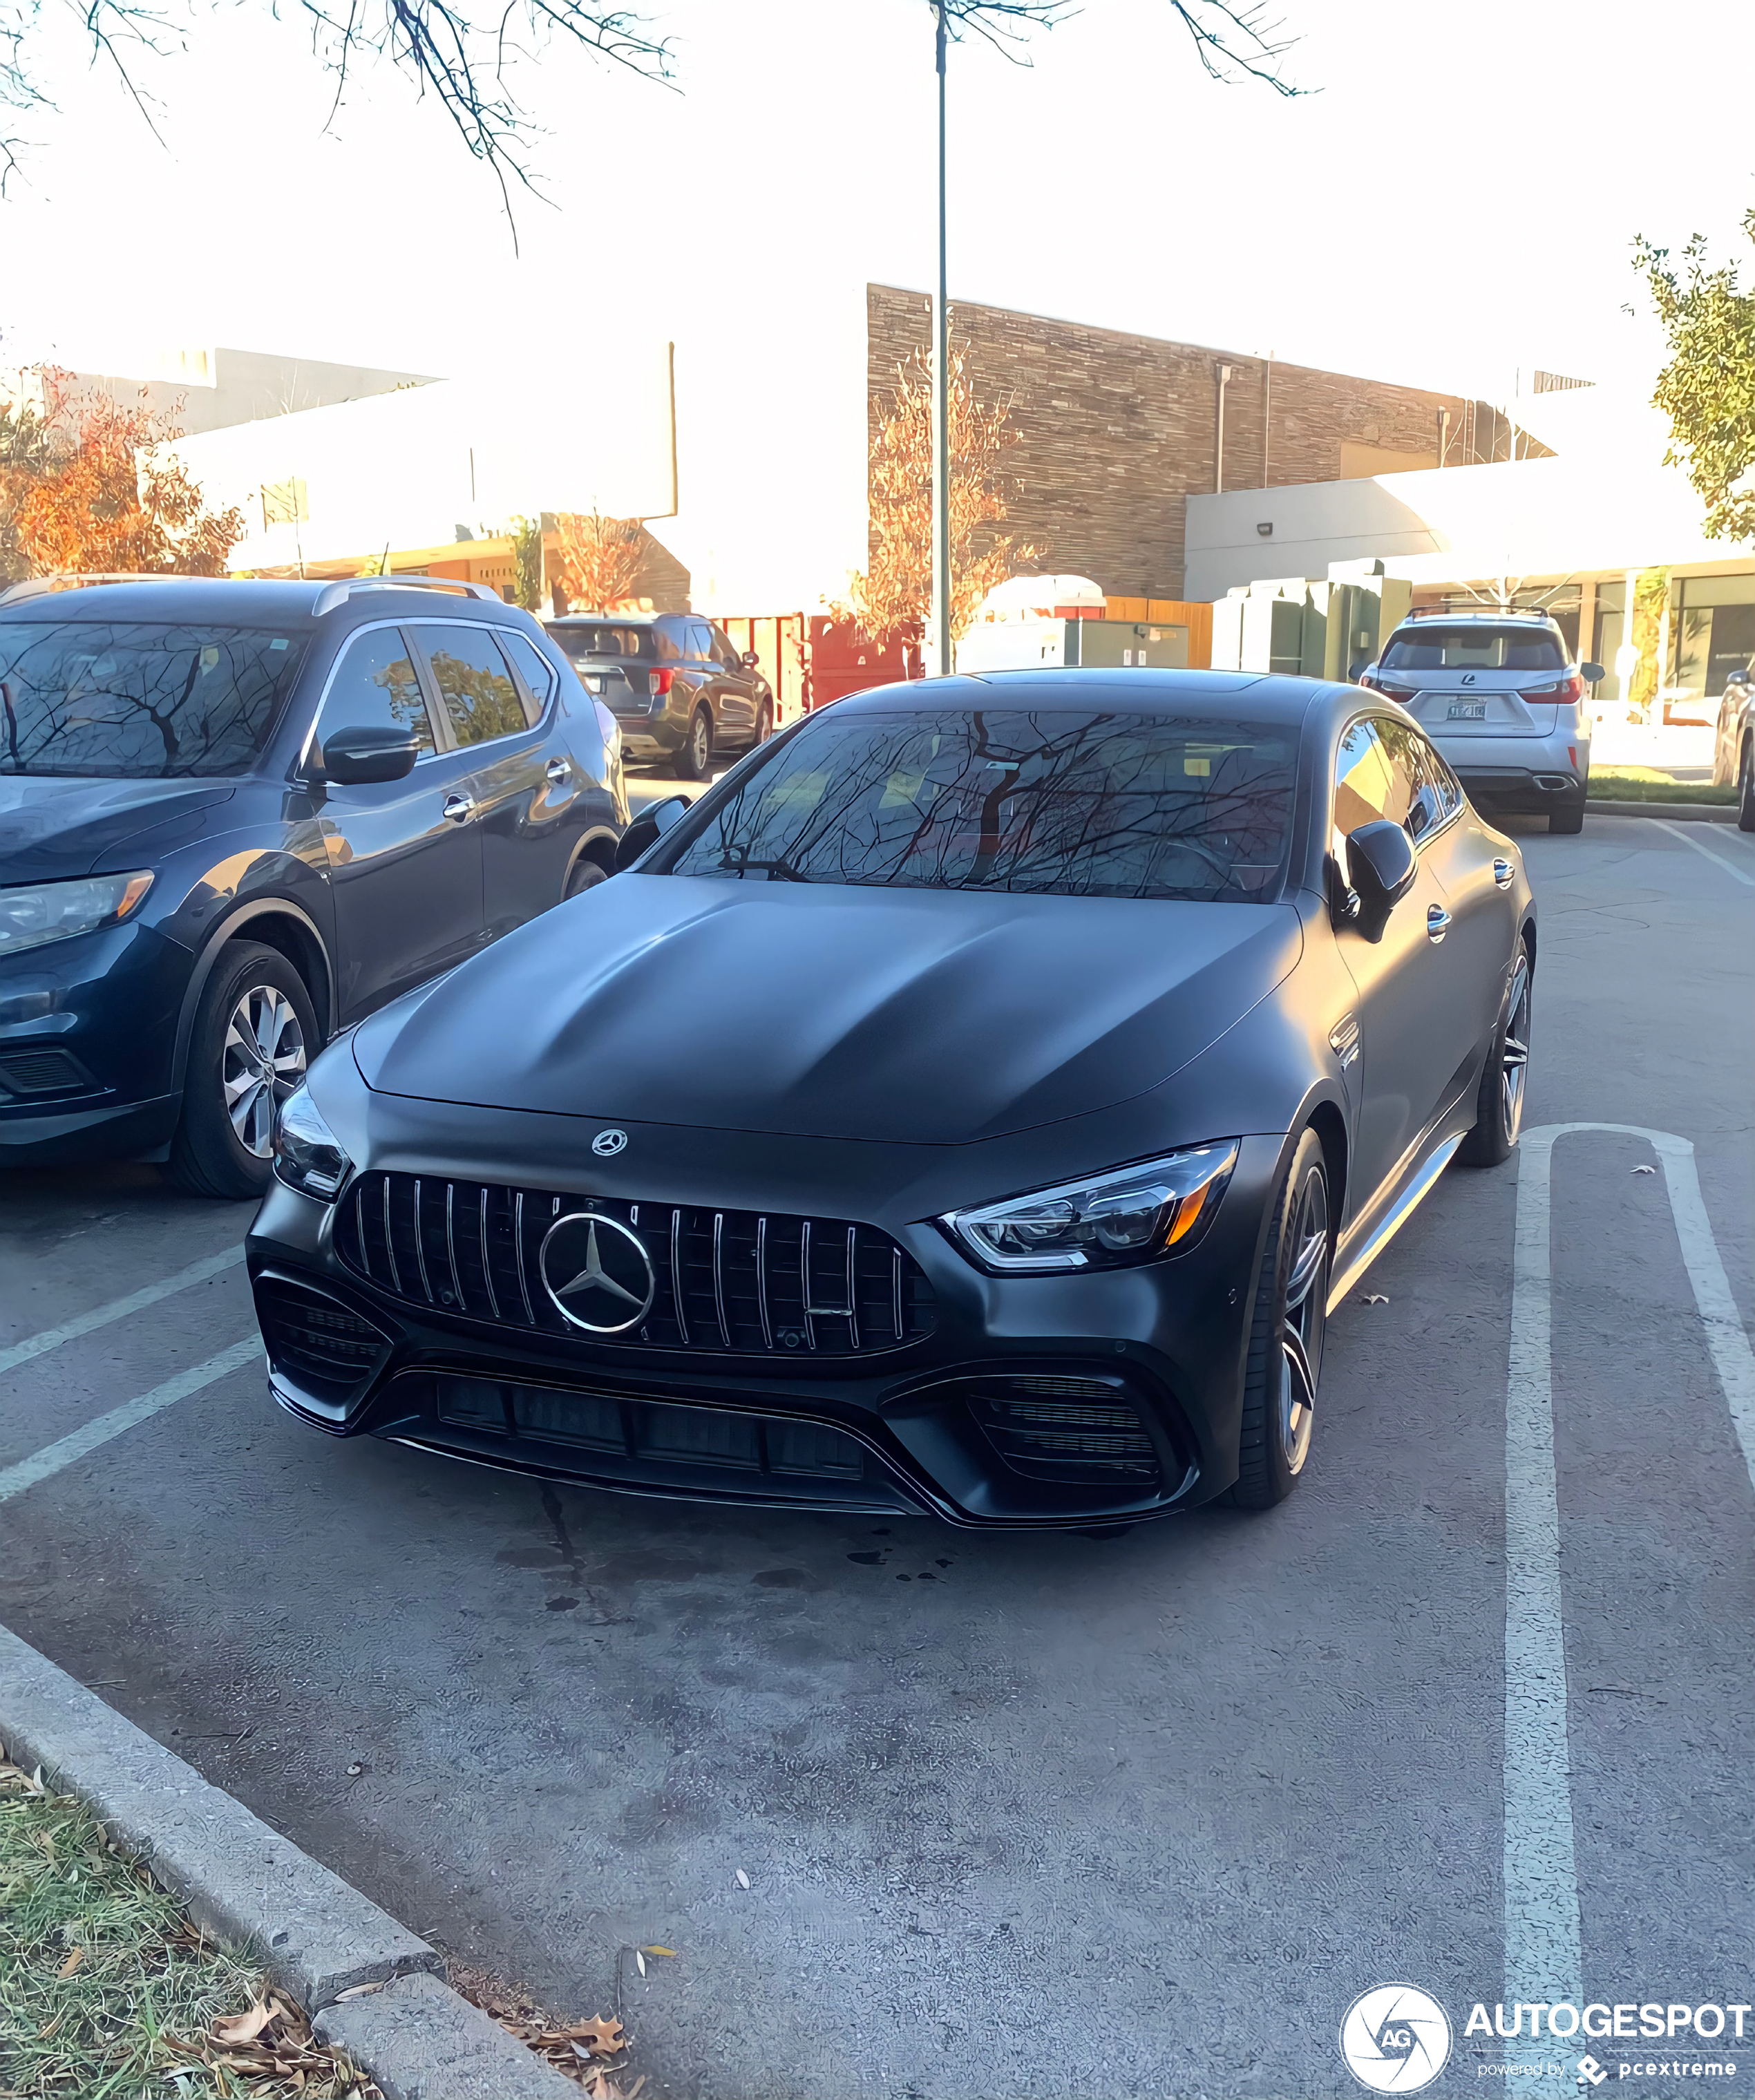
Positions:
{"x": 1455, "y": 200}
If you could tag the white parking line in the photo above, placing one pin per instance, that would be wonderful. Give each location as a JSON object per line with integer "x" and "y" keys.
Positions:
{"x": 13, "y": 1479}
{"x": 1543, "y": 1954}
{"x": 118, "y": 1308}
{"x": 1730, "y": 867}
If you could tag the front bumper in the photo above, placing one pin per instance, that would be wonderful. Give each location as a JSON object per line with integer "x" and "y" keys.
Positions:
{"x": 87, "y": 1037}
{"x": 1031, "y": 1402}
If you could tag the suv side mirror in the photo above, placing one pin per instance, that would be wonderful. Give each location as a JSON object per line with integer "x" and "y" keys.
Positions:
{"x": 1738, "y": 678}
{"x": 1593, "y": 674}
{"x": 750, "y": 659}
{"x": 360, "y": 757}
{"x": 648, "y": 828}
{"x": 1381, "y": 867}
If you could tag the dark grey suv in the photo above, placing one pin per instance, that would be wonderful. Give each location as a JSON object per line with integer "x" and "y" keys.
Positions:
{"x": 676, "y": 685}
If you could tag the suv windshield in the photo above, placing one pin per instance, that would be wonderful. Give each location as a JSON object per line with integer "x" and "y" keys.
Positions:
{"x": 1472, "y": 647}
{"x": 140, "y": 702}
{"x": 606, "y": 641}
{"x": 1055, "y": 804}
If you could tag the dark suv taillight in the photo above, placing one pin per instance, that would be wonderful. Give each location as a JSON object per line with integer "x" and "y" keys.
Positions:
{"x": 658, "y": 682}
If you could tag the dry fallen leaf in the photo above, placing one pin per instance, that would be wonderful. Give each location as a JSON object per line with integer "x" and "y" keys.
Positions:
{"x": 669, "y": 1953}
{"x": 1645, "y": 1170}
{"x": 240, "y": 2031}
{"x": 603, "y": 2037}
{"x": 602, "y": 2088}
{"x": 1374, "y": 1298}
{"x": 743, "y": 1879}
{"x": 72, "y": 1962}
{"x": 639, "y": 1961}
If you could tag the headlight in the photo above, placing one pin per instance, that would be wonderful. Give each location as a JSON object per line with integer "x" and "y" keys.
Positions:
{"x": 1134, "y": 1213}
{"x": 308, "y": 1155}
{"x": 56, "y": 910}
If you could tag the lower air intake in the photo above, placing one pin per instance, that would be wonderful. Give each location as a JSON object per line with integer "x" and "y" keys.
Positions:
{"x": 321, "y": 1346}
{"x": 1077, "y": 1431}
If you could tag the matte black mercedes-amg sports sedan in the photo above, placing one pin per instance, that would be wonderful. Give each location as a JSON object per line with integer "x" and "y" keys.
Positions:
{"x": 975, "y": 1104}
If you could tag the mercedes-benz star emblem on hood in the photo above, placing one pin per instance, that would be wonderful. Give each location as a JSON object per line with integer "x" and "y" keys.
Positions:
{"x": 598, "y": 1271}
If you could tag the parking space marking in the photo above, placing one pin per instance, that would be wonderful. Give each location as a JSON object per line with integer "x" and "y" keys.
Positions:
{"x": 1543, "y": 1959}
{"x": 1730, "y": 867}
{"x": 118, "y": 1308}
{"x": 13, "y": 1479}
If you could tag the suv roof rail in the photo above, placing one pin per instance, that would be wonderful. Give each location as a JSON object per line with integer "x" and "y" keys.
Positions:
{"x": 335, "y": 594}
{"x": 1481, "y": 610}
{"x": 68, "y": 580}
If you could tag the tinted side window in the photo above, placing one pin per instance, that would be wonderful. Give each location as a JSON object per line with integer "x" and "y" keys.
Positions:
{"x": 1368, "y": 784}
{"x": 475, "y": 687}
{"x": 538, "y": 671}
{"x": 667, "y": 636}
{"x": 723, "y": 651}
{"x": 375, "y": 687}
{"x": 1416, "y": 761}
{"x": 700, "y": 641}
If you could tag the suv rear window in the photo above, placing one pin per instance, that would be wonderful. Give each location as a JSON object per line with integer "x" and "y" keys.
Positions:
{"x": 1474, "y": 647}
{"x": 83, "y": 698}
{"x": 607, "y": 639}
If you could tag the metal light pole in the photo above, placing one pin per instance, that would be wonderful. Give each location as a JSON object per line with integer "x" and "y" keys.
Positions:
{"x": 941, "y": 400}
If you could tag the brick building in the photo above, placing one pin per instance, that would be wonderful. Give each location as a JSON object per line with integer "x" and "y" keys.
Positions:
{"x": 1117, "y": 430}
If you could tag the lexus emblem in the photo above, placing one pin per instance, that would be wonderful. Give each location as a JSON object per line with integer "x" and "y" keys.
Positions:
{"x": 607, "y": 1143}
{"x": 598, "y": 1271}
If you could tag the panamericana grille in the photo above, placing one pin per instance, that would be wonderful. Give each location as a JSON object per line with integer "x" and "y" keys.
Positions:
{"x": 727, "y": 1281}
{"x": 321, "y": 1344}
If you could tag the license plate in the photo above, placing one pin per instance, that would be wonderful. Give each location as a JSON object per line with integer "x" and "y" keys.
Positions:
{"x": 1467, "y": 710}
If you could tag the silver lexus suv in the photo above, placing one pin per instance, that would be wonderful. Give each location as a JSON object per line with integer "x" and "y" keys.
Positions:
{"x": 1500, "y": 695}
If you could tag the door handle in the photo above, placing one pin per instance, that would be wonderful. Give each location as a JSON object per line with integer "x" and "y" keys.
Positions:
{"x": 1503, "y": 872}
{"x": 556, "y": 771}
{"x": 1437, "y": 923}
{"x": 458, "y": 808}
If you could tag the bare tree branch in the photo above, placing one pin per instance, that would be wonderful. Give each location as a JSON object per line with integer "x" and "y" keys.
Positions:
{"x": 1237, "y": 41}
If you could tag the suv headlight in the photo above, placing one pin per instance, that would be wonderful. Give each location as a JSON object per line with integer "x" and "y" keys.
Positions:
{"x": 308, "y": 1155}
{"x": 1132, "y": 1214}
{"x": 42, "y": 912}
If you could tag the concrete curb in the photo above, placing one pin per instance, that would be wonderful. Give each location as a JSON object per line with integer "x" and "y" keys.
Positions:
{"x": 1699, "y": 812}
{"x": 241, "y": 1881}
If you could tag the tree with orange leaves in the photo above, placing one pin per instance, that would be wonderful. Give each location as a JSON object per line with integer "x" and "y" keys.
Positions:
{"x": 600, "y": 558}
{"x": 107, "y": 498}
{"x": 895, "y": 592}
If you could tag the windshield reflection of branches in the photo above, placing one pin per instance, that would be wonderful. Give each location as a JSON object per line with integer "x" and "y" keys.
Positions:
{"x": 1112, "y": 805}
{"x": 136, "y": 703}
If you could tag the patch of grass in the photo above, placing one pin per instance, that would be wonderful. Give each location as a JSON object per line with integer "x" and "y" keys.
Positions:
{"x": 108, "y": 1991}
{"x": 1645, "y": 783}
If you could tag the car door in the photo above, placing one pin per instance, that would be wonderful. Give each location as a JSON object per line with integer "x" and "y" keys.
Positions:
{"x": 698, "y": 671}
{"x": 404, "y": 862}
{"x": 1476, "y": 876}
{"x": 526, "y": 837}
{"x": 1405, "y": 1014}
{"x": 737, "y": 690}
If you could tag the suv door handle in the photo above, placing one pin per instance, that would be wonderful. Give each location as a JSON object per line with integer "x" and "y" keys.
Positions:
{"x": 1437, "y": 923}
{"x": 1503, "y": 872}
{"x": 556, "y": 771}
{"x": 458, "y": 808}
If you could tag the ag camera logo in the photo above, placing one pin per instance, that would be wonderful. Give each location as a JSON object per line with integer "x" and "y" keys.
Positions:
{"x": 1395, "y": 2039}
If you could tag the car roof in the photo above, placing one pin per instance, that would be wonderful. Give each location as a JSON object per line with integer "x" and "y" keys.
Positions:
{"x": 612, "y": 618}
{"x": 1486, "y": 615}
{"x": 245, "y": 601}
{"x": 1269, "y": 697}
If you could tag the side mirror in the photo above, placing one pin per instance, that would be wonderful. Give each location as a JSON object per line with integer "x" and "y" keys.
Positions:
{"x": 360, "y": 757}
{"x": 1738, "y": 678}
{"x": 648, "y": 828}
{"x": 1593, "y": 674}
{"x": 751, "y": 659}
{"x": 1381, "y": 867}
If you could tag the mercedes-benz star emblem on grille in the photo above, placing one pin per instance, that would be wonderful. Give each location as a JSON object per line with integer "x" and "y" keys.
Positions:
{"x": 598, "y": 1271}
{"x": 607, "y": 1143}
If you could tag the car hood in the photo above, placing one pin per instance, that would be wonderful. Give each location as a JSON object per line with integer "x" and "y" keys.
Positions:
{"x": 934, "y": 1016}
{"x": 51, "y": 828}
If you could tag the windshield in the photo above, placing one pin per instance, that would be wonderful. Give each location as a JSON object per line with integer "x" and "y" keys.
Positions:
{"x": 1474, "y": 648}
{"x": 140, "y": 702}
{"x": 607, "y": 641}
{"x": 1067, "y": 804}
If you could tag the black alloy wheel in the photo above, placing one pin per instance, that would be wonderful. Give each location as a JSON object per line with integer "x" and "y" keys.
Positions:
{"x": 1499, "y": 1105}
{"x": 1746, "y": 790}
{"x": 1286, "y": 1334}
{"x": 255, "y": 1030}
{"x": 764, "y": 721}
{"x": 696, "y": 755}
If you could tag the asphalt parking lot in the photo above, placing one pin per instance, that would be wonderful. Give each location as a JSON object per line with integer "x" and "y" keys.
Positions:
{"x": 1018, "y": 1817}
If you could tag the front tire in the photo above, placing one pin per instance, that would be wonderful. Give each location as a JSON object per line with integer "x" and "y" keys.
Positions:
{"x": 1746, "y": 790}
{"x": 1499, "y": 1105}
{"x": 255, "y": 1031}
{"x": 1286, "y": 1334}
{"x": 764, "y": 722}
{"x": 586, "y": 875}
{"x": 1568, "y": 822}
